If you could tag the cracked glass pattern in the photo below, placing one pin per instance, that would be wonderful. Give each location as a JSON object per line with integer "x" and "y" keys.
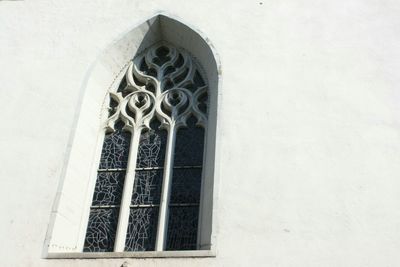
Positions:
{"x": 108, "y": 190}
{"x": 150, "y": 163}
{"x": 142, "y": 229}
{"x": 147, "y": 187}
{"x": 100, "y": 235}
{"x": 103, "y": 217}
{"x": 115, "y": 149}
{"x": 151, "y": 152}
{"x": 182, "y": 228}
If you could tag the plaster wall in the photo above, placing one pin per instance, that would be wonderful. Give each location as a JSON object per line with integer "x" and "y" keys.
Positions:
{"x": 308, "y": 125}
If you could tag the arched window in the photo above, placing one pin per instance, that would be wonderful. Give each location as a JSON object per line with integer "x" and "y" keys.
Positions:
{"x": 140, "y": 174}
{"x": 147, "y": 194}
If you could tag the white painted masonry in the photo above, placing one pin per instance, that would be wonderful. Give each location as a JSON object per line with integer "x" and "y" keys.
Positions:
{"x": 308, "y": 143}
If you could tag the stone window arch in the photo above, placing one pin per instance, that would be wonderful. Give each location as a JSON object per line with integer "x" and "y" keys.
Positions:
{"x": 147, "y": 193}
{"x": 153, "y": 188}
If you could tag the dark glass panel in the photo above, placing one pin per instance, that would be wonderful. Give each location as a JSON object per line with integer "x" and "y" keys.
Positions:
{"x": 203, "y": 100}
{"x": 169, "y": 70}
{"x": 189, "y": 145}
{"x": 198, "y": 80}
{"x": 147, "y": 187}
{"x": 108, "y": 190}
{"x": 152, "y": 146}
{"x": 182, "y": 228}
{"x": 195, "y": 83}
{"x": 186, "y": 184}
{"x": 142, "y": 229}
{"x": 185, "y": 190}
{"x": 115, "y": 149}
{"x": 100, "y": 234}
{"x": 136, "y": 80}
{"x": 162, "y": 56}
{"x": 122, "y": 85}
{"x": 181, "y": 77}
{"x": 179, "y": 62}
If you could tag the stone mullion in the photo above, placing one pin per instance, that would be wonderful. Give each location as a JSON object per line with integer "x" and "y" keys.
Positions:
{"x": 123, "y": 219}
{"x": 166, "y": 190}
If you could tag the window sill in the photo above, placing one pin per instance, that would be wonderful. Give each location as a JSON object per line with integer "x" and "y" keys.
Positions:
{"x": 144, "y": 254}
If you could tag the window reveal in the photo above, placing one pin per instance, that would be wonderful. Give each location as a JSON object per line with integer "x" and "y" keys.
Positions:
{"x": 147, "y": 193}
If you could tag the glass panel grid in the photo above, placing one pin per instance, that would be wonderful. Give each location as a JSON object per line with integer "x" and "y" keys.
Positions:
{"x": 147, "y": 187}
{"x": 182, "y": 228}
{"x": 115, "y": 149}
{"x": 108, "y": 189}
{"x": 186, "y": 188}
{"x": 100, "y": 235}
{"x": 142, "y": 229}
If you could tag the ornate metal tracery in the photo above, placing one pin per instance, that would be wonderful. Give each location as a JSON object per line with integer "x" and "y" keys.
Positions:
{"x": 147, "y": 193}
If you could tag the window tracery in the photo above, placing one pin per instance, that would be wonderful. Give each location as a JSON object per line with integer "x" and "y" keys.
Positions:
{"x": 147, "y": 193}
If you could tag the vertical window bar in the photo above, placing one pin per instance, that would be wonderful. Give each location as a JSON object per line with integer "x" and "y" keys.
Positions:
{"x": 123, "y": 219}
{"x": 166, "y": 190}
{"x": 144, "y": 211}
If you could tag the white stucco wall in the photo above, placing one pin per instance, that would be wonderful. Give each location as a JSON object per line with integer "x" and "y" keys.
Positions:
{"x": 309, "y": 124}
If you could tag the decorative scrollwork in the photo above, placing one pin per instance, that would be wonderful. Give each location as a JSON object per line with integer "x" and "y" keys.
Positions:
{"x": 164, "y": 81}
{"x": 135, "y": 110}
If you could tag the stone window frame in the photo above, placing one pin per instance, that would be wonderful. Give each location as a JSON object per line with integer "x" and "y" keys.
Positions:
{"x": 171, "y": 106}
{"x": 67, "y": 227}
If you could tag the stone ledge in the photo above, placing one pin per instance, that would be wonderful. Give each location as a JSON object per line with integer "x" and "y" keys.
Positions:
{"x": 144, "y": 254}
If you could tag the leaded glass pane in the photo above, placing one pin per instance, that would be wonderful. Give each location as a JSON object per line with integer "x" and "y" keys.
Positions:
{"x": 189, "y": 145}
{"x": 186, "y": 184}
{"x": 103, "y": 217}
{"x": 147, "y": 187}
{"x": 142, "y": 229}
{"x": 108, "y": 190}
{"x": 115, "y": 149}
{"x": 182, "y": 228}
{"x": 152, "y": 145}
{"x": 100, "y": 235}
{"x": 185, "y": 189}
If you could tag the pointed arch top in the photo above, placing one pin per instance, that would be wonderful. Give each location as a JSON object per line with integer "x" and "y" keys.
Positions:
{"x": 162, "y": 27}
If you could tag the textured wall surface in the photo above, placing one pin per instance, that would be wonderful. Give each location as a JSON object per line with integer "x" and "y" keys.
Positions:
{"x": 309, "y": 124}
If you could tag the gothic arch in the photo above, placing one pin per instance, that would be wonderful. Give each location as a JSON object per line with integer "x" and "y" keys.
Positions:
{"x": 69, "y": 216}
